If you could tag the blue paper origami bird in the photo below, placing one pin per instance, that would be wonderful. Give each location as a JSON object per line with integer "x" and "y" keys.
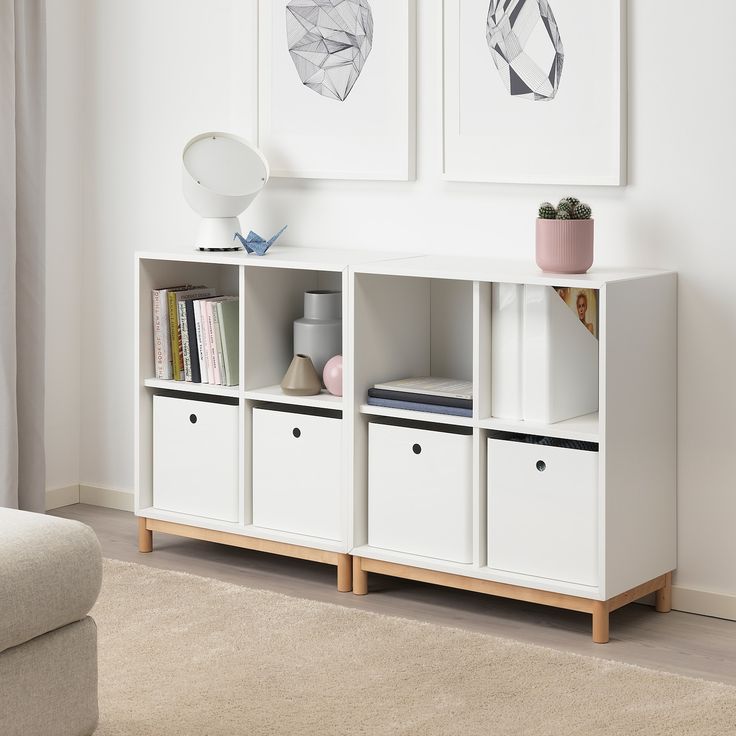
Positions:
{"x": 254, "y": 243}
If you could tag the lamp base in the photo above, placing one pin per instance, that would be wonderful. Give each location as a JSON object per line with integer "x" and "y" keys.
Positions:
{"x": 218, "y": 234}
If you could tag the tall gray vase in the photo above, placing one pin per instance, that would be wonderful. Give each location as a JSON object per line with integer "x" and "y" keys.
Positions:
{"x": 318, "y": 333}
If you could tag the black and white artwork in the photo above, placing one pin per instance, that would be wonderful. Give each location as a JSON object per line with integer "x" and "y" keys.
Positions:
{"x": 533, "y": 91}
{"x": 336, "y": 90}
{"x": 526, "y": 47}
{"x": 329, "y": 43}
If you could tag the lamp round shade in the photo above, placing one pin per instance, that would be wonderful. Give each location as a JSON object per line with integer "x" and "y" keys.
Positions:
{"x": 223, "y": 174}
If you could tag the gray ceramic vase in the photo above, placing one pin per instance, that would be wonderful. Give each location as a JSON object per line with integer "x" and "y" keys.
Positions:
{"x": 301, "y": 379}
{"x": 318, "y": 333}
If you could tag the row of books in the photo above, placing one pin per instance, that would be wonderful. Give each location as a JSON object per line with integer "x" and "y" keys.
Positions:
{"x": 428, "y": 393}
{"x": 195, "y": 335}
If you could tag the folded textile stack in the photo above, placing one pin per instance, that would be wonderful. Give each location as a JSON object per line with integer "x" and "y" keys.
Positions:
{"x": 430, "y": 394}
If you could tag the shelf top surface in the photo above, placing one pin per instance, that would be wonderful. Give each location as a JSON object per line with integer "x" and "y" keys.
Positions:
{"x": 282, "y": 256}
{"x": 472, "y": 268}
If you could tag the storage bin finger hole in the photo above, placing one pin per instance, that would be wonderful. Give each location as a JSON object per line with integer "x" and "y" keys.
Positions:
{"x": 541, "y": 466}
{"x": 416, "y": 449}
{"x": 193, "y": 418}
{"x": 296, "y": 432}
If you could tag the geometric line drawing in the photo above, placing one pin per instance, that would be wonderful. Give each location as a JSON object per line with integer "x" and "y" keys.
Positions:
{"x": 329, "y": 42}
{"x": 526, "y": 47}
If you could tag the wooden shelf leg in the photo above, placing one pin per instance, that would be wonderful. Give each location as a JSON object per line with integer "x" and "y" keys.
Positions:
{"x": 360, "y": 578}
{"x": 663, "y": 596}
{"x": 600, "y": 622}
{"x": 344, "y": 573}
{"x": 145, "y": 536}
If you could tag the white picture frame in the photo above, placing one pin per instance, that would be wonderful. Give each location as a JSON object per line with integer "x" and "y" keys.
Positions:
{"x": 370, "y": 135}
{"x": 576, "y": 138}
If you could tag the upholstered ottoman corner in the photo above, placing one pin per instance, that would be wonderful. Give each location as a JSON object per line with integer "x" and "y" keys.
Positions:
{"x": 50, "y": 576}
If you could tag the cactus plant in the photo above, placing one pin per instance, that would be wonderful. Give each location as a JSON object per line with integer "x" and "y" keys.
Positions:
{"x": 547, "y": 211}
{"x": 564, "y": 206}
{"x": 570, "y": 206}
{"x": 581, "y": 211}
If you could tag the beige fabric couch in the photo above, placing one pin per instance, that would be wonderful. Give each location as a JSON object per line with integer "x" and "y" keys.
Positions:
{"x": 50, "y": 575}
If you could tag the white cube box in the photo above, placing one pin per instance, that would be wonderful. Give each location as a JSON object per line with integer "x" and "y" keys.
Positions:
{"x": 296, "y": 473}
{"x": 195, "y": 457}
{"x": 543, "y": 511}
{"x": 420, "y": 492}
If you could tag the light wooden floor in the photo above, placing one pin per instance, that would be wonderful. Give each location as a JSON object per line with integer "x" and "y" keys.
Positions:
{"x": 697, "y": 646}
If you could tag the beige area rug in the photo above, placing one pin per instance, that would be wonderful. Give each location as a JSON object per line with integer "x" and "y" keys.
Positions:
{"x": 187, "y": 655}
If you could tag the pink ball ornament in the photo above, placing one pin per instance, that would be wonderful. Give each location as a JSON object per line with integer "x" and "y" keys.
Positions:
{"x": 332, "y": 375}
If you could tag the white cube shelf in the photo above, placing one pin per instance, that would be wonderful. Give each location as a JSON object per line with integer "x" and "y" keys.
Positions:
{"x": 592, "y": 532}
{"x": 195, "y": 458}
{"x": 420, "y": 492}
{"x": 297, "y": 463}
{"x": 543, "y": 511}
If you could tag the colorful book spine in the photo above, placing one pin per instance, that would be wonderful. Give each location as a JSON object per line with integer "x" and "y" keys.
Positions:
{"x": 215, "y": 374}
{"x": 193, "y": 347}
{"x": 229, "y": 334}
{"x": 202, "y": 345}
{"x": 184, "y": 332}
{"x": 216, "y": 314}
{"x": 176, "y": 351}
{"x": 161, "y": 340}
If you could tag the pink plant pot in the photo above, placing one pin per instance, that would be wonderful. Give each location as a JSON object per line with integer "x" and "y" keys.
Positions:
{"x": 564, "y": 246}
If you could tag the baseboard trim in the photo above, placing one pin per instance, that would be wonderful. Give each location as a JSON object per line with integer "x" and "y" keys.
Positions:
{"x": 110, "y": 498}
{"x": 58, "y": 497}
{"x": 704, "y": 602}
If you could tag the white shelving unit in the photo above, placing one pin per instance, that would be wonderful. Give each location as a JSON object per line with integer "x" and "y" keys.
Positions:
{"x": 271, "y": 291}
{"x": 430, "y": 315}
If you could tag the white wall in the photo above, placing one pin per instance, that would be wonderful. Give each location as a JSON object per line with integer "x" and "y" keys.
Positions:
{"x": 158, "y": 72}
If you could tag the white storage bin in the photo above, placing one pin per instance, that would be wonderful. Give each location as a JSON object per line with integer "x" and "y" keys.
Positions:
{"x": 543, "y": 511}
{"x": 420, "y": 492}
{"x": 296, "y": 473}
{"x": 195, "y": 457}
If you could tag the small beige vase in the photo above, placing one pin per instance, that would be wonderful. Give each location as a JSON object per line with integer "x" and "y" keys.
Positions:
{"x": 301, "y": 379}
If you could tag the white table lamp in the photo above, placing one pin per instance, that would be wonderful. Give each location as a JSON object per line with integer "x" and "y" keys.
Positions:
{"x": 223, "y": 174}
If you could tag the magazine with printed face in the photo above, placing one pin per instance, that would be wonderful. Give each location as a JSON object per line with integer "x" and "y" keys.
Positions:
{"x": 584, "y": 302}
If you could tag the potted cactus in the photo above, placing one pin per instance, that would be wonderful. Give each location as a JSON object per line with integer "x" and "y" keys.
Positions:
{"x": 565, "y": 236}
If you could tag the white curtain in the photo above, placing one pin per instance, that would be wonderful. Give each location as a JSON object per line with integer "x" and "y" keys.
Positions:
{"x": 22, "y": 252}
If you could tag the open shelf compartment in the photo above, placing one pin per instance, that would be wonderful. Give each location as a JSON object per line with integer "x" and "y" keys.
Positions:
{"x": 408, "y": 327}
{"x": 274, "y": 299}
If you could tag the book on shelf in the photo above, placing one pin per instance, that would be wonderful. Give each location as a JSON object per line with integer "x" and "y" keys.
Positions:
{"x": 186, "y": 342}
{"x": 177, "y": 351}
{"x": 196, "y": 335}
{"x": 228, "y": 318}
{"x": 184, "y": 332}
{"x": 200, "y": 333}
{"x": 456, "y": 411}
{"x": 450, "y": 388}
{"x": 211, "y": 344}
{"x": 191, "y": 362}
{"x": 382, "y": 393}
{"x": 162, "y": 331}
{"x": 218, "y": 340}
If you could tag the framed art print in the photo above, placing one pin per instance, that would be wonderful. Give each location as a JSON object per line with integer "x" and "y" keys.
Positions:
{"x": 336, "y": 88}
{"x": 534, "y": 91}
